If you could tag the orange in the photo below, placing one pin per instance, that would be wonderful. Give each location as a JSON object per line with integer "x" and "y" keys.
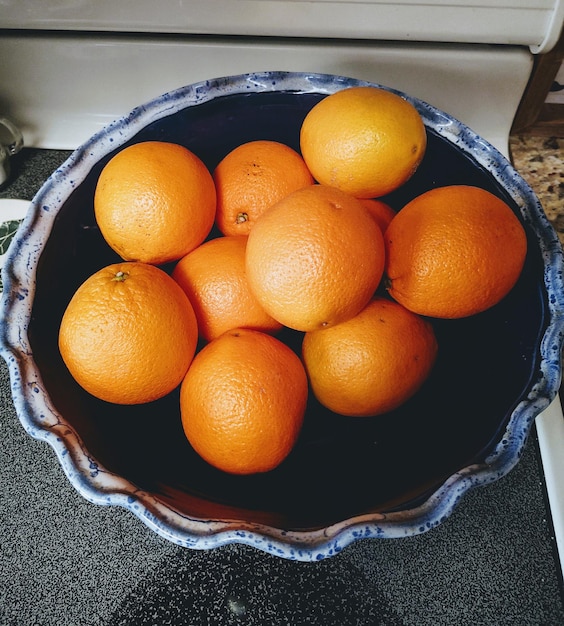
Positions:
{"x": 315, "y": 258}
{"x": 453, "y": 252}
{"x": 372, "y": 363}
{"x": 214, "y": 279}
{"x": 154, "y": 202}
{"x": 380, "y": 211}
{"x": 128, "y": 334}
{"x": 243, "y": 401}
{"x": 365, "y": 140}
{"x": 253, "y": 177}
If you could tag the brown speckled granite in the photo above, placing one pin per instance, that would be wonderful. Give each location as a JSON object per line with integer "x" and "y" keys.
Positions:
{"x": 540, "y": 161}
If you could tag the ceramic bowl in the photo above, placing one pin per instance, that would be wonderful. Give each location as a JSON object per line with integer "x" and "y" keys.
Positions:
{"x": 392, "y": 476}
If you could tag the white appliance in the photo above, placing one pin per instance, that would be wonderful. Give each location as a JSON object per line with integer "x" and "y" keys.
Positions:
{"x": 69, "y": 68}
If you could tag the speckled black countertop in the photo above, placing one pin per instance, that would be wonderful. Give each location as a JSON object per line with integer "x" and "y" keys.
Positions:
{"x": 64, "y": 561}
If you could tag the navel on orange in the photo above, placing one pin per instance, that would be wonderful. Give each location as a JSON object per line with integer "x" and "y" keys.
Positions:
{"x": 128, "y": 334}
{"x": 453, "y": 252}
{"x": 213, "y": 277}
{"x": 154, "y": 202}
{"x": 372, "y": 363}
{"x": 366, "y": 141}
{"x": 315, "y": 258}
{"x": 252, "y": 177}
{"x": 243, "y": 401}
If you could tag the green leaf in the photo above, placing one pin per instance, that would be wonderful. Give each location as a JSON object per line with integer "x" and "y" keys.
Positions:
{"x": 7, "y": 231}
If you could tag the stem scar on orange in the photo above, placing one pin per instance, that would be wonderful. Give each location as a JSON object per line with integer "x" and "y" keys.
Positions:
{"x": 252, "y": 177}
{"x": 128, "y": 334}
{"x": 453, "y": 252}
{"x": 243, "y": 401}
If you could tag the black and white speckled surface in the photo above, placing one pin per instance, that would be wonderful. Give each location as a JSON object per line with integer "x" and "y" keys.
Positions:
{"x": 65, "y": 561}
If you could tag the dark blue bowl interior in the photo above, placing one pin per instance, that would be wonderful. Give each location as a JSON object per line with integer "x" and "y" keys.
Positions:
{"x": 341, "y": 467}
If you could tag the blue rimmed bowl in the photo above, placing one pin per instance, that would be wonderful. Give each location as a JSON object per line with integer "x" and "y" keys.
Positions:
{"x": 391, "y": 476}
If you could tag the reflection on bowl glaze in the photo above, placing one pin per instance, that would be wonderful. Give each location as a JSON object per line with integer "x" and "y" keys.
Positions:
{"x": 393, "y": 476}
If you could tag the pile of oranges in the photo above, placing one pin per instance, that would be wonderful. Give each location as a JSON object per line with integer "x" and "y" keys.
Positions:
{"x": 305, "y": 243}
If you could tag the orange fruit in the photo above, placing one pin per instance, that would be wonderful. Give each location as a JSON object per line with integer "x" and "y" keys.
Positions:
{"x": 128, "y": 334}
{"x": 453, "y": 252}
{"x": 154, "y": 202}
{"x": 243, "y": 401}
{"x": 382, "y": 213}
{"x": 214, "y": 279}
{"x": 315, "y": 258}
{"x": 252, "y": 177}
{"x": 364, "y": 140}
{"x": 372, "y": 363}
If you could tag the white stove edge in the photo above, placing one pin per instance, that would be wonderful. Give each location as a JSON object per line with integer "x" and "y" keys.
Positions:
{"x": 550, "y": 432}
{"x": 60, "y": 90}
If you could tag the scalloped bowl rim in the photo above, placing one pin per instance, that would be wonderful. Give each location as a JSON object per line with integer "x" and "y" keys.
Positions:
{"x": 42, "y": 421}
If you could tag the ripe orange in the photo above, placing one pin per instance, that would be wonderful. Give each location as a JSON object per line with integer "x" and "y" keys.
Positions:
{"x": 243, "y": 400}
{"x": 315, "y": 258}
{"x": 253, "y": 177}
{"x": 365, "y": 140}
{"x": 453, "y": 252}
{"x": 380, "y": 211}
{"x": 372, "y": 363}
{"x": 154, "y": 202}
{"x": 128, "y": 334}
{"x": 214, "y": 279}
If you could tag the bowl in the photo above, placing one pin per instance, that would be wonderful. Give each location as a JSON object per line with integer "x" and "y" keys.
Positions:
{"x": 396, "y": 475}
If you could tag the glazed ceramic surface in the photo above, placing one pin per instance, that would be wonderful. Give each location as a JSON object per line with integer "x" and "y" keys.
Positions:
{"x": 392, "y": 476}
